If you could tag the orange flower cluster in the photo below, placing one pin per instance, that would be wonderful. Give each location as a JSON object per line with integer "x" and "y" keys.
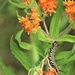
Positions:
{"x": 48, "y": 6}
{"x": 31, "y": 22}
{"x": 70, "y": 9}
{"x": 51, "y": 71}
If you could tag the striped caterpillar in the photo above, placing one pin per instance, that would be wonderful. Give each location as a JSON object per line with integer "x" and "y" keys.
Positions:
{"x": 50, "y": 56}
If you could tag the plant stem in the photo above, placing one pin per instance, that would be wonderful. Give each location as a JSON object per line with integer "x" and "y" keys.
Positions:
{"x": 63, "y": 32}
{"x": 45, "y": 26}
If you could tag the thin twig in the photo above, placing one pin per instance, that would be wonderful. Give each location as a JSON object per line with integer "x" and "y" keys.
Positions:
{"x": 65, "y": 31}
{"x": 45, "y": 26}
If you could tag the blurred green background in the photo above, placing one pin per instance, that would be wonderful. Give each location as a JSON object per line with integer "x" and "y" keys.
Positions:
{"x": 9, "y": 26}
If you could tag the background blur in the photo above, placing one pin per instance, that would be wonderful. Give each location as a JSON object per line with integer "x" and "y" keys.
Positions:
{"x": 9, "y": 26}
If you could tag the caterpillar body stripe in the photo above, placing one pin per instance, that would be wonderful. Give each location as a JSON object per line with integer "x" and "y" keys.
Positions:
{"x": 51, "y": 54}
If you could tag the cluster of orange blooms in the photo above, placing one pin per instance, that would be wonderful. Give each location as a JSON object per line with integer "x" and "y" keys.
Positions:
{"x": 31, "y": 22}
{"x": 70, "y": 9}
{"x": 51, "y": 71}
{"x": 48, "y": 6}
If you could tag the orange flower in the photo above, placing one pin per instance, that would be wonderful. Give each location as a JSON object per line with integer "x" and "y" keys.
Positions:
{"x": 48, "y": 5}
{"x": 70, "y": 9}
{"x": 32, "y": 22}
{"x": 51, "y": 71}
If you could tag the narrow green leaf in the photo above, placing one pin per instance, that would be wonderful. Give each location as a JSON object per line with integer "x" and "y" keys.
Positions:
{"x": 35, "y": 54}
{"x": 54, "y": 25}
{"x": 64, "y": 21}
{"x": 67, "y": 69}
{"x": 67, "y": 38}
{"x": 65, "y": 61}
{"x": 37, "y": 44}
{"x": 18, "y": 36}
{"x": 5, "y": 69}
{"x": 46, "y": 47}
{"x": 73, "y": 49}
{"x": 63, "y": 55}
{"x": 25, "y": 45}
{"x": 21, "y": 56}
{"x": 18, "y": 15}
{"x": 19, "y": 5}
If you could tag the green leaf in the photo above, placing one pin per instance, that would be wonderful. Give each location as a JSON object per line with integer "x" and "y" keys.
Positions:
{"x": 67, "y": 69}
{"x": 46, "y": 47}
{"x": 21, "y": 56}
{"x": 19, "y": 5}
{"x": 37, "y": 44}
{"x": 23, "y": 45}
{"x": 42, "y": 36}
{"x": 73, "y": 49}
{"x": 67, "y": 38}
{"x": 54, "y": 25}
{"x": 64, "y": 21}
{"x": 65, "y": 61}
{"x": 18, "y": 15}
{"x": 73, "y": 26}
{"x": 63, "y": 55}
{"x": 5, "y": 69}
{"x": 35, "y": 54}
{"x": 18, "y": 36}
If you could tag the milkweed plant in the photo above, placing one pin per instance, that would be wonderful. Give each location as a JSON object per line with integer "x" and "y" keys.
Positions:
{"x": 44, "y": 22}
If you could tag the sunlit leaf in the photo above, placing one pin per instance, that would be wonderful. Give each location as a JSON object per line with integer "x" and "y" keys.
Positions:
{"x": 35, "y": 54}
{"x": 23, "y": 45}
{"x": 5, "y": 69}
{"x": 55, "y": 22}
{"x": 65, "y": 61}
{"x": 19, "y": 55}
{"x": 19, "y": 5}
{"x": 63, "y": 55}
{"x": 37, "y": 44}
{"x": 18, "y": 15}
{"x": 18, "y": 36}
{"x": 66, "y": 69}
{"x": 67, "y": 38}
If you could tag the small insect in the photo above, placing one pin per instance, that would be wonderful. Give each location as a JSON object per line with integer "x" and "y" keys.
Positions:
{"x": 50, "y": 56}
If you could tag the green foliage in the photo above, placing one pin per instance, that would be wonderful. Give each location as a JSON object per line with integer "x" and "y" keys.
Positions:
{"x": 67, "y": 38}
{"x": 66, "y": 69}
{"x": 42, "y": 36}
{"x": 37, "y": 44}
{"x": 40, "y": 42}
{"x": 5, "y": 69}
{"x": 23, "y": 45}
{"x": 21, "y": 56}
{"x": 19, "y": 5}
{"x": 55, "y": 22}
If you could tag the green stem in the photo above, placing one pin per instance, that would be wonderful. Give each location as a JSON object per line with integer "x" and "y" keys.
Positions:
{"x": 65, "y": 31}
{"x": 45, "y": 26}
